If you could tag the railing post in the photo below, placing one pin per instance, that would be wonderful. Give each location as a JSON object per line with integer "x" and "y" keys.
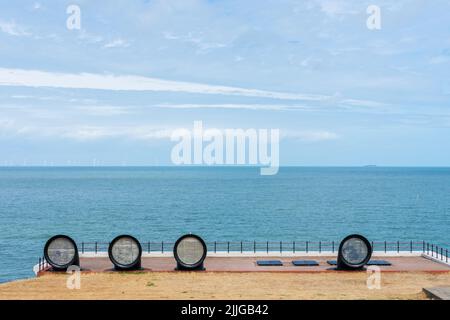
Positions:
{"x": 281, "y": 247}
{"x": 428, "y": 248}
{"x": 96, "y": 247}
{"x": 215, "y": 246}
{"x": 307, "y": 246}
{"x": 39, "y": 264}
{"x": 320, "y": 246}
{"x": 410, "y": 246}
{"x": 82, "y": 247}
{"x": 241, "y": 246}
{"x": 148, "y": 247}
{"x": 228, "y": 246}
{"x": 398, "y": 246}
{"x": 254, "y": 246}
{"x": 267, "y": 246}
{"x": 162, "y": 246}
{"x": 293, "y": 246}
{"x": 432, "y": 250}
{"x": 385, "y": 247}
{"x": 423, "y": 246}
{"x": 442, "y": 254}
{"x": 332, "y": 246}
{"x": 446, "y": 255}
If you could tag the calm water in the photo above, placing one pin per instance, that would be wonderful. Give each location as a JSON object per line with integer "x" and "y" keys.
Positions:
{"x": 96, "y": 204}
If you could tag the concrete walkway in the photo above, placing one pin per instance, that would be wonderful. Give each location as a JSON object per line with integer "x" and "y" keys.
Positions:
{"x": 248, "y": 264}
{"x": 438, "y": 293}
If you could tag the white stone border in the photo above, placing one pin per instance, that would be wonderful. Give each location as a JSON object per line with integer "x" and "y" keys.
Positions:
{"x": 439, "y": 259}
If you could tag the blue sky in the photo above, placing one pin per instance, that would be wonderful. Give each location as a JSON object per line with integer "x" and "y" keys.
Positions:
{"x": 112, "y": 92}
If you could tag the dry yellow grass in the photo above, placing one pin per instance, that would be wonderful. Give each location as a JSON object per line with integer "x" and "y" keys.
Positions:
{"x": 222, "y": 285}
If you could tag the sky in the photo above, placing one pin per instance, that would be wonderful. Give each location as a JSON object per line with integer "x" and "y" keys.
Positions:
{"x": 112, "y": 91}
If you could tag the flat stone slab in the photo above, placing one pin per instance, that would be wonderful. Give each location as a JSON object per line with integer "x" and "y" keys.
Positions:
{"x": 438, "y": 293}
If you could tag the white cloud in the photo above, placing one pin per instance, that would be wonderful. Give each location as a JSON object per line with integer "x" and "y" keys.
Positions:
{"x": 83, "y": 132}
{"x": 13, "y": 29}
{"x": 6, "y": 124}
{"x": 440, "y": 59}
{"x": 170, "y": 36}
{"x": 310, "y": 136}
{"x": 86, "y": 132}
{"x": 37, "y": 6}
{"x": 104, "y": 110}
{"x": 89, "y": 37}
{"x": 333, "y": 103}
{"x": 117, "y": 43}
{"x": 234, "y": 106}
{"x": 35, "y": 78}
{"x": 363, "y": 103}
{"x": 335, "y": 8}
{"x": 52, "y": 98}
{"x": 21, "y": 96}
{"x": 10, "y": 127}
{"x": 197, "y": 40}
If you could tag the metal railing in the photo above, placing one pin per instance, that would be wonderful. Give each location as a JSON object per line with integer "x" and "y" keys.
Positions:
{"x": 43, "y": 264}
{"x": 274, "y": 246}
{"x": 436, "y": 252}
{"x": 430, "y": 249}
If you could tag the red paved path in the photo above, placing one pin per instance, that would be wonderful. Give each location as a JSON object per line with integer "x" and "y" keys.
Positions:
{"x": 248, "y": 264}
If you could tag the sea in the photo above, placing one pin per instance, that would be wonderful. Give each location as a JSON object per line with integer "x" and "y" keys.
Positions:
{"x": 218, "y": 203}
